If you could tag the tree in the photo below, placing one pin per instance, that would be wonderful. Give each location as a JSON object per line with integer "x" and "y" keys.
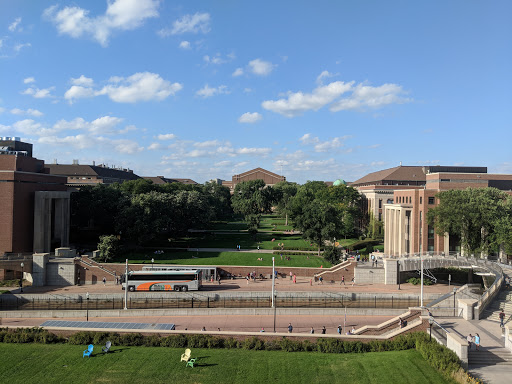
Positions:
{"x": 474, "y": 214}
{"x": 283, "y": 193}
{"x": 108, "y": 247}
{"x": 252, "y": 198}
{"x": 219, "y": 200}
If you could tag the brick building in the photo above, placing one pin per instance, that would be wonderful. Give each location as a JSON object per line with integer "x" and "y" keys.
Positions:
{"x": 34, "y": 205}
{"x": 406, "y": 226}
{"x": 268, "y": 177}
{"x": 164, "y": 180}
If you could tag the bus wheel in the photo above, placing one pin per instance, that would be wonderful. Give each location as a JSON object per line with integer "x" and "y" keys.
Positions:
{"x": 131, "y": 288}
{"x": 184, "y": 289}
{"x": 177, "y": 288}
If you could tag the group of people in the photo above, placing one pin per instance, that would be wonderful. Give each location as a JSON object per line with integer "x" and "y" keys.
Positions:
{"x": 323, "y": 331}
{"x": 473, "y": 340}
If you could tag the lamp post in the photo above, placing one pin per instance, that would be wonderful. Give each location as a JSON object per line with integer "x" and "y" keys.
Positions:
{"x": 454, "y": 307}
{"x": 21, "y": 279}
{"x": 430, "y": 322}
{"x": 152, "y": 261}
{"x": 87, "y": 310}
{"x": 274, "y": 290}
{"x": 398, "y": 266}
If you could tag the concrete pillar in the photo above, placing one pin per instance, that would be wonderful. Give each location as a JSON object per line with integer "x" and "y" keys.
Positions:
{"x": 39, "y": 262}
{"x": 390, "y": 271}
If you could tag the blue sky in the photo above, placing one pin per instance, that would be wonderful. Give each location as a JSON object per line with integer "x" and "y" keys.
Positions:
{"x": 207, "y": 89}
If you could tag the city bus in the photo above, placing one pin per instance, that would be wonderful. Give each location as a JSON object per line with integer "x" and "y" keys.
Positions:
{"x": 145, "y": 281}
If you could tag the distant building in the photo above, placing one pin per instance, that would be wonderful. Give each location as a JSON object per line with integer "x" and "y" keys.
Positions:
{"x": 82, "y": 175}
{"x": 268, "y": 177}
{"x": 34, "y": 205}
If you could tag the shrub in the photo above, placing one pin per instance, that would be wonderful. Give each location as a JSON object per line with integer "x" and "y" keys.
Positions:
{"x": 132, "y": 339}
{"x": 81, "y": 338}
{"x": 291, "y": 345}
{"x": 152, "y": 341}
{"x": 231, "y": 343}
{"x": 178, "y": 341}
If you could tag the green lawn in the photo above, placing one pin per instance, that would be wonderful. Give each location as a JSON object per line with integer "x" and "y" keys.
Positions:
{"x": 63, "y": 363}
{"x": 227, "y": 258}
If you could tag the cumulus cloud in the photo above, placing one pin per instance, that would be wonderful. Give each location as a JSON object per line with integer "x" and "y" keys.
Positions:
{"x": 260, "y": 67}
{"x": 238, "y": 72}
{"x": 82, "y": 80}
{"x": 185, "y": 45}
{"x": 119, "y": 15}
{"x": 212, "y": 149}
{"x": 323, "y": 146}
{"x": 361, "y": 97}
{"x": 32, "y": 112}
{"x": 144, "y": 86}
{"x": 365, "y": 96}
{"x": 19, "y": 47}
{"x": 38, "y": 93}
{"x": 298, "y": 103}
{"x": 155, "y": 147}
{"x": 322, "y": 76}
{"x": 167, "y": 136}
{"x": 207, "y": 91}
{"x": 249, "y": 117}
{"x": 15, "y": 25}
{"x": 83, "y": 141}
{"x": 29, "y": 80}
{"x": 196, "y": 23}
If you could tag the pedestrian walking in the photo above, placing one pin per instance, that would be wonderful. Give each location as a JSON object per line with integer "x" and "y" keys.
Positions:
{"x": 291, "y": 275}
{"x": 353, "y": 281}
{"x": 294, "y": 279}
{"x": 324, "y": 330}
{"x": 477, "y": 341}
{"x": 469, "y": 338}
{"x": 339, "y": 329}
{"x": 104, "y": 281}
{"x": 290, "y": 328}
{"x": 312, "y": 330}
{"x": 321, "y": 280}
{"x": 502, "y": 318}
{"x": 342, "y": 280}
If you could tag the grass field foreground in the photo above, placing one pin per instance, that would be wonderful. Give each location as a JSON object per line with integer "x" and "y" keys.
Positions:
{"x": 62, "y": 363}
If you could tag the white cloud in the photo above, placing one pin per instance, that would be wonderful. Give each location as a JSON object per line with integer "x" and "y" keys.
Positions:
{"x": 104, "y": 125}
{"x": 14, "y": 25}
{"x": 260, "y": 67}
{"x": 167, "y": 136}
{"x": 128, "y": 128}
{"x": 207, "y": 91}
{"x": 254, "y": 151}
{"x": 120, "y": 15}
{"x": 143, "y": 86}
{"x": 19, "y": 47}
{"x": 32, "y": 112}
{"x": 206, "y": 144}
{"x": 82, "y": 80}
{"x": 155, "y": 147}
{"x": 371, "y": 97}
{"x": 249, "y": 117}
{"x": 29, "y": 127}
{"x": 2, "y": 110}
{"x": 185, "y": 45}
{"x": 29, "y": 80}
{"x": 322, "y": 76}
{"x": 238, "y": 72}
{"x": 298, "y": 103}
{"x": 323, "y": 146}
{"x": 38, "y": 93}
{"x": 196, "y": 23}
{"x": 78, "y": 92}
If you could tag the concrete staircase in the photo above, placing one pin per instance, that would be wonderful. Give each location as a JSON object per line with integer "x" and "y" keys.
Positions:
{"x": 489, "y": 356}
{"x": 502, "y": 301}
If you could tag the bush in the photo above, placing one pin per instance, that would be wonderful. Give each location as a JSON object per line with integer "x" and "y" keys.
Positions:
{"x": 132, "y": 339}
{"x": 81, "y": 338}
{"x": 417, "y": 281}
{"x": 362, "y": 244}
{"x": 332, "y": 255}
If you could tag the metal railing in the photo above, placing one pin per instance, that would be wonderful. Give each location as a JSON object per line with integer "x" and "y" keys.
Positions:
{"x": 19, "y": 303}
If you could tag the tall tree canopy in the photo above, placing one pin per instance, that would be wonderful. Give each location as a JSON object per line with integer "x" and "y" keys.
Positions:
{"x": 322, "y": 213}
{"x": 479, "y": 215}
{"x": 251, "y": 199}
{"x": 283, "y": 193}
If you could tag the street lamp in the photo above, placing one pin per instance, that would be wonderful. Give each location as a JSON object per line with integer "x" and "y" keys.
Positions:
{"x": 152, "y": 261}
{"x": 454, "y": 293}
{"x": 398, "y": 266}
{"x": 87, "y": 311}
{"x": 21, "y": 279}
{"x": 430, "y": 322}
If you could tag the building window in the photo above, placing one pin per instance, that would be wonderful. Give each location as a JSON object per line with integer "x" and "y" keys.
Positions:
{"x": 421, "y": 199}
{"x": 430, "y": 244}
{"x": 390, "y": 201}
{"x": 431, "y": 200}
{"x": 380, "y": 216}
{"x": 380, "y": 203}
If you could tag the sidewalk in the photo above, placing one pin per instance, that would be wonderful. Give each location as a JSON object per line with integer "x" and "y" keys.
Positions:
{"x": 490, "y": 338}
